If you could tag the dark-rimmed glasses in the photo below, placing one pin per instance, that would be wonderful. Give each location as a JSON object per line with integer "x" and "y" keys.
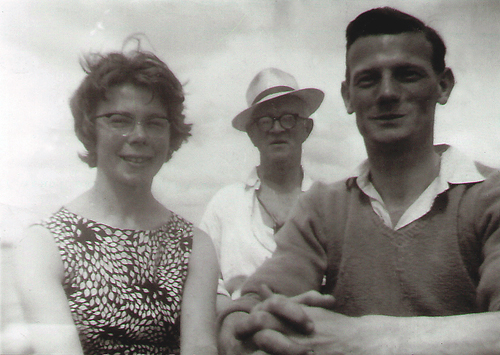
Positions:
{"x": 154, "y": 127}
{"x": 286, "y": 120}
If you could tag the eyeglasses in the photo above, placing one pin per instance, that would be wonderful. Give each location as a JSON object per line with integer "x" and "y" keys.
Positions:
{"x": 154, "y": 127}
{"x": 286, "y": 120}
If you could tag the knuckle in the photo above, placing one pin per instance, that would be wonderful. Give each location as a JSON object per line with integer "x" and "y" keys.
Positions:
{"x": 265, "y": 338}
{"x": 275, "y": 301}
{"x": 261, "y": 318}
{"x": 275, "y": 343}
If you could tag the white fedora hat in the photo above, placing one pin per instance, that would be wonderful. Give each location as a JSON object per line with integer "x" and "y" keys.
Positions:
{"x": 269, "y": 84}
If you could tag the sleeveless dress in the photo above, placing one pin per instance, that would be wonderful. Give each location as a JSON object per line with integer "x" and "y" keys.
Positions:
{"x": 124, "y": 287}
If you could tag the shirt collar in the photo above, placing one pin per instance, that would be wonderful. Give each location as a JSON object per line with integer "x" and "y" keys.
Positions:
{"x": 253, "y": 180}
{"x": 456, "y": 168}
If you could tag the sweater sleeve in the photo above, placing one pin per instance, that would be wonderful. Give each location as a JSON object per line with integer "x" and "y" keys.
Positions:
{"x": 487, "y": 217}
{"x": 299, "y": 261}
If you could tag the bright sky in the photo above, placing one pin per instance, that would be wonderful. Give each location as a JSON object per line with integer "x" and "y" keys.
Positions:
{"x": 215, "y": 48}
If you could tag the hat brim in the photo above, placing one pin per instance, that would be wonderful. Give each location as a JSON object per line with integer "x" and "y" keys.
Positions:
{"x": 312, "y": 97}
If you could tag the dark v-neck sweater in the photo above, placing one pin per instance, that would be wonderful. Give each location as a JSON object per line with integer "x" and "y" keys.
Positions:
{"x": 447, "y": 262}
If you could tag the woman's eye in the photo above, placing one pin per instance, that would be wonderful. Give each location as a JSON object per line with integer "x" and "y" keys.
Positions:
{"x": 119, "y": 120}
{"x": 158, "y": 122}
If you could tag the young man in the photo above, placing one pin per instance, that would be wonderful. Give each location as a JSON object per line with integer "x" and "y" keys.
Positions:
{"x": 409, "y": 246}
{"x": 242, "y": 218}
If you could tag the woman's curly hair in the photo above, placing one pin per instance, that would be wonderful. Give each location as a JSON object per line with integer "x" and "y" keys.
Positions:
{"x": 137, "y": 67}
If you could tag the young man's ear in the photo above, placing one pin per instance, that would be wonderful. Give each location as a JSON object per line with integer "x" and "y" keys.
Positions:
{"x": 344, "y": 90}
{"x": 446, "y": 84}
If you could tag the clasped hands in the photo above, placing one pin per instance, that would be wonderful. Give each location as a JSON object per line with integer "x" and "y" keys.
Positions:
{"x": 278, "y": 325}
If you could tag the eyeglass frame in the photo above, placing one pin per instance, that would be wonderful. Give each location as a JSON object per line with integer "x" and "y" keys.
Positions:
{"x": 295, "y": 116}
{"x": 130, "y": 129}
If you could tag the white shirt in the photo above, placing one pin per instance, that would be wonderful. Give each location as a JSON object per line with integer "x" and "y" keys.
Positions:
{"x": 455, "y": 168}
{"x": 242, "y": 241}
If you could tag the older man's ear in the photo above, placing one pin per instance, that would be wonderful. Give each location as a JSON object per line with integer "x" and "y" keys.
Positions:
{"x": 309, "y": 123}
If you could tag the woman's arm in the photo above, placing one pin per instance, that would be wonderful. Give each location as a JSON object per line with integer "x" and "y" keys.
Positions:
{"x": 38, "y": 275}
{"x": 198, "y": 329}
{"x": 222, "y": 302}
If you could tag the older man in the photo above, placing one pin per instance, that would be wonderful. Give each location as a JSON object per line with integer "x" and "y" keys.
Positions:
{"x": 409, "y": 246}
{"x": 243, "y": 218}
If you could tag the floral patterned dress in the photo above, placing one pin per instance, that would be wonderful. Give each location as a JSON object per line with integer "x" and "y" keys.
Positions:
{"x": 124, "y": 287}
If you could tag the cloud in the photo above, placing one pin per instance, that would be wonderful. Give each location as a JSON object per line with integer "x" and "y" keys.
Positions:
{"x": 216, "y": 48}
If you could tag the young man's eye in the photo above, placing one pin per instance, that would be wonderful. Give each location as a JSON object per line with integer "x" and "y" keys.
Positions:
{"x": 365, "y": 81}
{"x": 409, "y": 75}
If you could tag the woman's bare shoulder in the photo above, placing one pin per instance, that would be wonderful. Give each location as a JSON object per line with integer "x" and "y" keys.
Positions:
{"x": 36, "y": 248}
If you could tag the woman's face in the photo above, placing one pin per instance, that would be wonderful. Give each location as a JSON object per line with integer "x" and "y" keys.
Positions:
{"x": 128, "y": 152}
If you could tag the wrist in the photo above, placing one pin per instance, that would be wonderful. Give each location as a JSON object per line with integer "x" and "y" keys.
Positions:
{"x": 385, "y": 335}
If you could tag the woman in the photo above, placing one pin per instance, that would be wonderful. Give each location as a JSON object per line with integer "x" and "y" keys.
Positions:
{"x": 105, "y": 274}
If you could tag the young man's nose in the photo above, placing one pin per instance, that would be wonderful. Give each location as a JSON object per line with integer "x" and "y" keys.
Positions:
{"x": 389, "y": 90}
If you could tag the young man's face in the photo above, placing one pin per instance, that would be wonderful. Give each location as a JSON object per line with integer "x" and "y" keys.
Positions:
{"x": 393, "y": 89}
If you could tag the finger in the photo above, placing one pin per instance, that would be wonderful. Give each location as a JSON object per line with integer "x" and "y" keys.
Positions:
{"x": 265, "y": 291}
{"x": 288, "y": 311}
{"x": 240, "y": 348}
{"x": 315, "y": 299}
{"x": 257, "y": 321}
{"x": 276, "y": 343}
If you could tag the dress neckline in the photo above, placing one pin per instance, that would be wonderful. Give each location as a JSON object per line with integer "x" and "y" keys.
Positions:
{"x": 173, "y": 217}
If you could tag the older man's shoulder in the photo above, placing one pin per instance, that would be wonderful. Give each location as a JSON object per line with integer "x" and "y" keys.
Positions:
{"x": 330, "y": 190}
{"x": 487, "y": 171}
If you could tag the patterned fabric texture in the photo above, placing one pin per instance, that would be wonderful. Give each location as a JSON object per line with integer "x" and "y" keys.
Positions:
{"x": 124, "y": 287}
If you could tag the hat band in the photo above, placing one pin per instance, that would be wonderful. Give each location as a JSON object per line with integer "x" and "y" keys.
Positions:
{"x": 271, "y": 91}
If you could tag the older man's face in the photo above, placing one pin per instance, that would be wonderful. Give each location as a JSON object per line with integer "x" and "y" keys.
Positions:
{"x": 280, "y": 142}
{"x": 393, "y": 88}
